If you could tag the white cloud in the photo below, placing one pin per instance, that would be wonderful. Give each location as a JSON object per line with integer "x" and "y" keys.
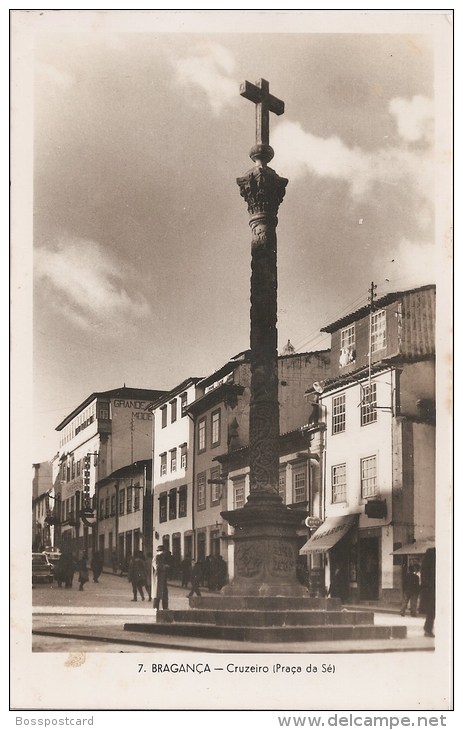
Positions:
{"x": 414, "y": 117}
{"x": 300, "y": 152}
{"x": 209, "y": 68}
{"x": 88, "y": 285}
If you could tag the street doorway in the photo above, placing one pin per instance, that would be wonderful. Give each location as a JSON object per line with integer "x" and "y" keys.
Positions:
{"x": 128, "y": 545}
{"x": 339, "y": 571}
{"x": 188, "y": 546}
{"x": 215, "y": 542}
{"x": 368, "y": 568}
{"x": 201, "y": 546}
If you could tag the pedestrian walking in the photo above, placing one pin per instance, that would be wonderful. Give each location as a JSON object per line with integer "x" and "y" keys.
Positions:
{"x": 60, "y": 570}
{"x": 161, "y": 565}
{"x": 222, "y": 572}
{"x": 96, "y": 566}
{"x": 64, "y": 570}
{"x": 196, "y": 576}
{"x": 137, "y": 575}
{"x": 336, "y": 587}
{"x": 185, "y": 568}
{"x": 213, "y": 573}
{"x": 411, "y": 590}
{"x": 206, "y": 568}
{"x": 124, "y": 565}
{"x": 114, "y": 562}
{"x": 83, "y": 572}
{"x": 428, "y": 590}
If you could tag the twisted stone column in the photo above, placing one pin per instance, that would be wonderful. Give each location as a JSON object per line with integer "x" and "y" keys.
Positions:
{"x": 263, "y": 190}
{"x": 265, "y": 533}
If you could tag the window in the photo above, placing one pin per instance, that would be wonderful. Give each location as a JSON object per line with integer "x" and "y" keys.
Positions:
{"x": 73, "y": 468}
{"x": 378, "y": 330}
{"x": 183, "y": 456}
{"x": 173, "y": 460}
{"x": 182, "y": 501}
{"x": 101, "y": 509}
{"x": 129, "y": 499}
{"x": 173, "y": 410}
{"x": 339, "y": 413}
{"x": 173, "y": 504}
{"x": 347, "y": 352}
{"x": 338, "y": 483}
{"x": 183, "y": 403}
{"x": 106, "y": 507}
{"x": 368, "y": 412}
{"x": 368, "y": 476}
{"x": 299, "y": 485}
{"x": 202, "y": 434}
{"x": 103, "y": 411}
{"x": 238, "y": 494}
{"x": 163, "y": 416}
{"x": 122, "y": 501}
{"x": 215, "y": 428}
{"x": 282, "y": 485}
{"x": 201, "y": 492}
{"x": 163, "y": 463}
{"x": 216, "y": 487}
{"x": 136, "y": 498}
{"x": 163, "y": 507}
{"x": 113, "y": 505}
{"x": 78, "y": 467}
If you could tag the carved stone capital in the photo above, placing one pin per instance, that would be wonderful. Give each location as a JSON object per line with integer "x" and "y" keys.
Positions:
{"x": 263, "y": 190}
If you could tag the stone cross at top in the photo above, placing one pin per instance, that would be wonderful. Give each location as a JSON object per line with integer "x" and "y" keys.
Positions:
{"x": 265, "y": 103}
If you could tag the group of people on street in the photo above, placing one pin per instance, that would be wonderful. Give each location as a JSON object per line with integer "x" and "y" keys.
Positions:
{"x": 210, "y": 573}
{"x": 146, "y": 572}
{"x": 142, "y": 573}
{"x": 68, "y": 564}
{"x": 143, "y": 570}
{"x": 424, "y": 590}
{"x": 420, "y": 595}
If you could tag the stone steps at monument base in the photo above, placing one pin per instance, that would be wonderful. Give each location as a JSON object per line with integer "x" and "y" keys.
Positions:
{"x": 220, "y": 601}
{"x": 269, "y": 619}
{"x": 268, "y": 633}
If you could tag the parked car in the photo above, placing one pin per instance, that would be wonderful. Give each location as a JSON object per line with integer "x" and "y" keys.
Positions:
{"x": 42, "y": 569}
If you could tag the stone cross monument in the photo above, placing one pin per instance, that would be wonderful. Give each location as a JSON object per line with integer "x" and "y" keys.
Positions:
{"x": 264, "y": 602}
{"x": 265, "y": 530}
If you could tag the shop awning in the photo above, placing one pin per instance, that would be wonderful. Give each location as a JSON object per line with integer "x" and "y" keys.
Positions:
{"x": 418, "y": 547}
{"x": 328, "y": 534}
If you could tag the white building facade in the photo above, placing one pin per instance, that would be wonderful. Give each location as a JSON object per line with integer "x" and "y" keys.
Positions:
{"x": 374, "y": 434}
{"x": 173, "y": 461}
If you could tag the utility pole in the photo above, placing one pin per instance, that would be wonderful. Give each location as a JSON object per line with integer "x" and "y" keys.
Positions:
{"x": 372, "y": 298}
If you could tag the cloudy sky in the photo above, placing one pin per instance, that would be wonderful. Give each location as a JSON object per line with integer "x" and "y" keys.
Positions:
{"x": 141, "y": 239}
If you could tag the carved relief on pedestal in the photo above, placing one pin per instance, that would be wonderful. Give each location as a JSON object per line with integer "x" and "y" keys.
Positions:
{"x": 282, "y": 558}
{"x": 265, "y": 558}
{"x": 249, "y": 559}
